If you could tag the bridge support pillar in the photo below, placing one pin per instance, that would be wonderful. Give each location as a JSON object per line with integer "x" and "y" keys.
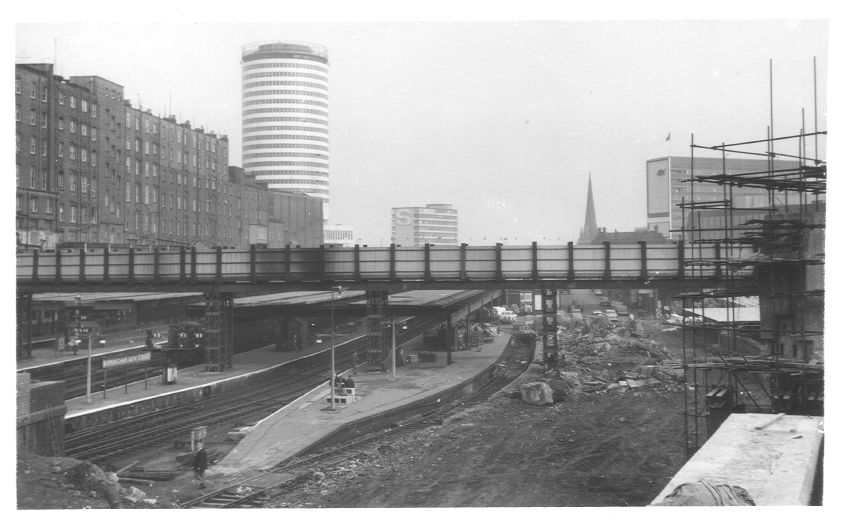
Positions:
{"x": 376, "y": 348}
{"x": 218, "y": 331}
{"x": 550, "y": 326}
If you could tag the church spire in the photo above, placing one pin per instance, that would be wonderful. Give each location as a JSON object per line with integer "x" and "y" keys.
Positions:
{"x": 589, "y": 231}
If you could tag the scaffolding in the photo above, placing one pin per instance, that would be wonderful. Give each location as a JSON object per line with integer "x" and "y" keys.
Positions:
{"x": 377, "y": 345}
{"x": 218, "y": 332}
{"x": 771, "y": 361}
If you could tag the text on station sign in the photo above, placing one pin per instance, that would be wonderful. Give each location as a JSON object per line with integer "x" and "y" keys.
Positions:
{"x": 126, "y": 360}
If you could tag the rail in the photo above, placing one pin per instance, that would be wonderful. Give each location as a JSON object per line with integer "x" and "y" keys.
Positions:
{"x": 461, "y": 266}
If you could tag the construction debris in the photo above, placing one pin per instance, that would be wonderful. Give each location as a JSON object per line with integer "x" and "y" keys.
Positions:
{"x": 591, "y": 358}
{"x": 537, "y": 393}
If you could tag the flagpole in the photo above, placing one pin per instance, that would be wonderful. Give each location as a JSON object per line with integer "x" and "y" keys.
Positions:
{"x": 669, "y": 185}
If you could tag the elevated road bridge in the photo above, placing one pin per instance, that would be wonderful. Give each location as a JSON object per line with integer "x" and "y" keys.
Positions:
{"x": 224, "y": 274}
{"x": 391, "y": 268}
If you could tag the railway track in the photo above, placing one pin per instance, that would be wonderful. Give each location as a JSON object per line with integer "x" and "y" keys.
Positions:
{"x": 125, "y": 437}
{"x": 250, "y": 333}
{"x": 109, "y": 442}
{"x": 73, "y": 372}
{"x": 256, "y": 491}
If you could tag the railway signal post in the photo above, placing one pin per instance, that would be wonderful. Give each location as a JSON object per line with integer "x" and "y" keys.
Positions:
{"x": 336, "y": 289}
{"x": 88, "y": 374}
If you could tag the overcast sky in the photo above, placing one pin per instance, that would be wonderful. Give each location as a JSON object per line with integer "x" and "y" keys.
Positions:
{"x": 504, "y": 120}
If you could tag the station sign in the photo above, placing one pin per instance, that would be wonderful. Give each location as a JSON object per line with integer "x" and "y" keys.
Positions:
{"x": 126, "y": 360}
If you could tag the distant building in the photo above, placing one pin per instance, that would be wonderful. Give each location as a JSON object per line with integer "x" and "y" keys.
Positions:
{"x": 285, "y": 117}
{"x": 589, "y": 230}
{"x": 667, "y": 184}
{"x": 339, "y": 235}
{"x": 417, "y": 226}
{"x": 92, "y": 169}
{"x": 628, "y": 237}
{"x": 274, "y": 218}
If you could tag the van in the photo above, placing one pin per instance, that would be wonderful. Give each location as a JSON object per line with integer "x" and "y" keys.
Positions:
{"x": 507, "y": 317}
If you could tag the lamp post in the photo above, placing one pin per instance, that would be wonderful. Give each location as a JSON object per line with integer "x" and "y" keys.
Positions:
{"x": 333, "y": 345}
{"x": 392, "y": 352}
{"x": 78, "y": 300}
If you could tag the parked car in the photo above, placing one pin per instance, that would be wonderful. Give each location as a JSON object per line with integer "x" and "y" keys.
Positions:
{"x": 612, "y": 314}
{"x": 597, "y": 313}
{"x": 598, "y": 292}
{"x": 604, "y": 301}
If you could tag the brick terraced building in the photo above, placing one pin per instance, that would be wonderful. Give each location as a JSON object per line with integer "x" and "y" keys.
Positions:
{"x": 93, "y": 169}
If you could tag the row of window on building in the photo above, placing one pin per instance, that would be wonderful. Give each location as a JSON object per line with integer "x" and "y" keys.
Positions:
{"x": 34, "y": 90}
{"x": 141, "y": 178}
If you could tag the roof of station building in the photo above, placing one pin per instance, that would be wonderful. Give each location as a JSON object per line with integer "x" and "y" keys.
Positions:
{"x": 92, "y": 297}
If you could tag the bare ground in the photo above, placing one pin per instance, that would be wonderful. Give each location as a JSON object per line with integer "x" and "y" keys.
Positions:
{"x": 604, "y": 448}
{"x": 590, "y": 450}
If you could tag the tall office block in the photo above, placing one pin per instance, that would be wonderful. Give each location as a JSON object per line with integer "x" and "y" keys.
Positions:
{"x": 417, "y": 226}
{"x": 285, "y": 117}
{"x": 667, "y": 184}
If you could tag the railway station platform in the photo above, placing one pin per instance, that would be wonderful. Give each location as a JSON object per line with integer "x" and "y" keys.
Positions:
{"x": 310, "y": 418}
{"x": 116, "y": 342}
{"x": 190, "y": 378}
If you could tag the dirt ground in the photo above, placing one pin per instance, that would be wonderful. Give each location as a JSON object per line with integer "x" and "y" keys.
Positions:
{"x": 599, "y": 450}
{"x": 611, "y": 447}
{"x": 602, "y": 445}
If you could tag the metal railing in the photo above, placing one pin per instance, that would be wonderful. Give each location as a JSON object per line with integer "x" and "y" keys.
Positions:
{"x": 462, "y": 263}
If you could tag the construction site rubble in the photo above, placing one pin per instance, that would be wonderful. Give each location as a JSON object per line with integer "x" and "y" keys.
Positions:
{"x": 88, "y": 477}
{"x": 536, "y": 393}
{"x": 598, "y": 355}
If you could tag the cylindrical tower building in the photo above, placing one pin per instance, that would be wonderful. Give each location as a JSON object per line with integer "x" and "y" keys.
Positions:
{"x": 285, "y": 117}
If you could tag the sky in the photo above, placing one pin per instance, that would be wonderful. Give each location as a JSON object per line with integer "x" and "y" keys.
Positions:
{"x": 506, "y": 120}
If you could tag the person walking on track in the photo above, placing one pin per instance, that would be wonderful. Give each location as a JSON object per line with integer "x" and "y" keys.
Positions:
{"x": 200, "y": 465}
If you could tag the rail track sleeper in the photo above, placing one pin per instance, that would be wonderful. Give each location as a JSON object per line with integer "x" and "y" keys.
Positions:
{"x": 352, "y": 449}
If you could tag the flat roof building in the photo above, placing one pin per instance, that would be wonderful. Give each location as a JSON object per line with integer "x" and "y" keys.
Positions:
{"x": 667, "y": 185}
{"x": 417, "y": 226}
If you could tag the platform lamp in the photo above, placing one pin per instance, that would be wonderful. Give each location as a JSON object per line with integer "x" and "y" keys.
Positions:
{"x": 403, "y": 324}
{"x": 338, "y": 290}
{"x": 78, "y": 300}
